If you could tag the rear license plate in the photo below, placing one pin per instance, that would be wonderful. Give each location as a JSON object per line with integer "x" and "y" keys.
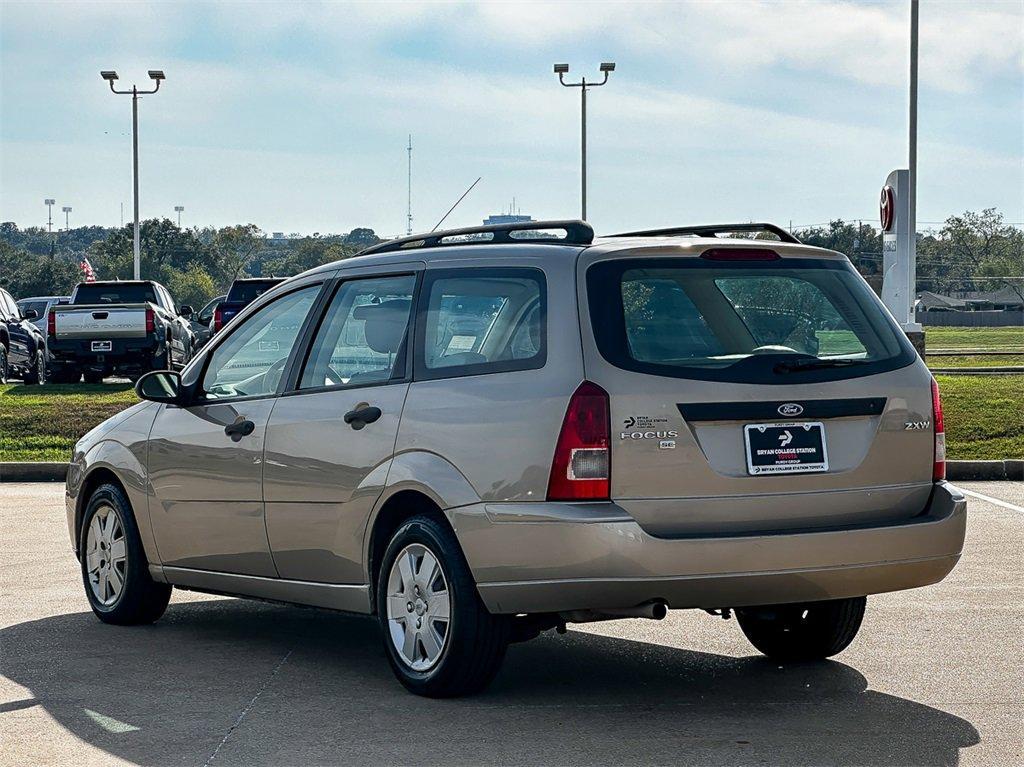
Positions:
{"x": 101, "y": 346}
{"x": 785, "y": 448}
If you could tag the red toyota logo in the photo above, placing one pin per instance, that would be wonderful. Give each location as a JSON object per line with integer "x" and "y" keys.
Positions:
{"x": 887, "y": 208}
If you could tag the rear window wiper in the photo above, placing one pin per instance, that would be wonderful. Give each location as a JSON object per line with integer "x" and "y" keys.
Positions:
{"x": 815, "y": 364}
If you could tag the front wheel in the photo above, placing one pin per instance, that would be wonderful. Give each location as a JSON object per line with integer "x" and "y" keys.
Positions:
{"x": 439, "y": 638}
{"x": 4, "y": 364}
{"x": 114, "y": 571}
{"x": 808, "y": 631}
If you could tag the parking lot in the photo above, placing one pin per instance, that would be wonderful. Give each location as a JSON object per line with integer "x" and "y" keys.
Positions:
{"x": 934, "y": 678}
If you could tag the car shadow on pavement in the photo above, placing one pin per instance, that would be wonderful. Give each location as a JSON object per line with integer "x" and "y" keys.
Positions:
{"x": 232, "y": 682}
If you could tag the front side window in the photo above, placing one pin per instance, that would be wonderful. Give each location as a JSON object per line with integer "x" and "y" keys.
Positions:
{"x": 252, "y": 359}
{"x": 756, "y": 322}
{"x": 483, "y": 321}
{"x": 362, "y": 337}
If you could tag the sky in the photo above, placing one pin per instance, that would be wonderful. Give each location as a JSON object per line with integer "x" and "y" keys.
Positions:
{"x": 295, "y": 116}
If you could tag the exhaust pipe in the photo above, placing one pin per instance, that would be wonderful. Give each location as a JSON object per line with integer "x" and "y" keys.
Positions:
{"x": 652, "y": 610}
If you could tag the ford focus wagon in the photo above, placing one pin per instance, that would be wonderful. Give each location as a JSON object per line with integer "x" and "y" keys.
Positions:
{"x": 482, "y": 434}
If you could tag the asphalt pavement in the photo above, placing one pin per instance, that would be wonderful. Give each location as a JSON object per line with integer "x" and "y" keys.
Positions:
{"x": 934, "y": 677}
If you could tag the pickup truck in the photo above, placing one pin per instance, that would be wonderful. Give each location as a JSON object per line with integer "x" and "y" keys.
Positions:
{"x": 117, "y": 328}
{"x": 240, "y": 295}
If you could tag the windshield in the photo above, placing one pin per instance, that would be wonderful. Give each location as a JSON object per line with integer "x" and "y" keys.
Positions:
{"x": 741, "y": 321}
{"x": 114, "y": 293}
{"x": 248, "y": 291}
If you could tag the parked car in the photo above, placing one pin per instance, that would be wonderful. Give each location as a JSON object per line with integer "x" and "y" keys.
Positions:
{"x": 202, "y": 323}
{"x": 477, "y": 442}
{"x": 122, "y": 328}
{"x": 241, "y": 293}
{"x": 22, "y": 346}
{"x": 41, "y": 306}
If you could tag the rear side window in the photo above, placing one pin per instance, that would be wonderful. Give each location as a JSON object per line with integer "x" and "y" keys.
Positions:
{"x": 476, "y": 321}
{"x": 742, "y": 322}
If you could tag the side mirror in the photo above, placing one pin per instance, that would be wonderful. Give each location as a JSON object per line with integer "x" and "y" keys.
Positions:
{"x": 30, "y": 314}
{"x": 160, "y": 386}
{"x": 185, "y": 311}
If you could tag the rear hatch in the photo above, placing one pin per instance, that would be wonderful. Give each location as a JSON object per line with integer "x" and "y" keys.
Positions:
{"x": 754, "y": 389}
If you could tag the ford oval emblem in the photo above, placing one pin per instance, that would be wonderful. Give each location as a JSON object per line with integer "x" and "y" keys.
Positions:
{"x": 790, "y": 409}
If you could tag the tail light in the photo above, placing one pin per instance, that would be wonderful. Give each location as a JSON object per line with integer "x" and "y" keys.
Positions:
{"x": 581, "y": 469}
{"x": 150, "y": 321}
{"x": 218, "y": 319}
{"x": 740, "y": 254}
{"x": 51, "y": 323}
{"x": 939, "y": 467}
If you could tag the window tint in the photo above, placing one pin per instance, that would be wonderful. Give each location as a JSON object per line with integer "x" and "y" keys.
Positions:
{"x": 248, "y": 291}
{"x": 112, "y": 293}
{"x": 483, "y": 321}
{"x": 361, "y": 339}
{"x": 38, "y": 306}
{"x": 758, "y": 322}
{"x": 251, "y": 360}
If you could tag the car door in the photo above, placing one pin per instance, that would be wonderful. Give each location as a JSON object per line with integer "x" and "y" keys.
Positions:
{"x": 206, "y": 459}
{"x": 331, "y": 437}
{"x": 22, "y": 344}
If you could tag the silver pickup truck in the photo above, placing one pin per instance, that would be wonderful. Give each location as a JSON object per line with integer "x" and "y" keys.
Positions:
{"x": 122, "y": 328}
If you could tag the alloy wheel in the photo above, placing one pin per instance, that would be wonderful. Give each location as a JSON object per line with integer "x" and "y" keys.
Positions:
{"x": 418, "y": 607}
{"x": 106, "y": 555}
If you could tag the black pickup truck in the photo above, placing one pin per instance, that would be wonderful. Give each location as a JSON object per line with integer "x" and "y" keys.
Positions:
{"x": 240, "y": 295}
{"x": 117, "y": 328}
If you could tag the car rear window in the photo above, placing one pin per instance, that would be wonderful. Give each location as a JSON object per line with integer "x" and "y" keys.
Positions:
{"x": 38, "y": 306}
{"x": 744, "y": 322}
{"x": 93, "y": 293}
{"x": 245, "y": 292}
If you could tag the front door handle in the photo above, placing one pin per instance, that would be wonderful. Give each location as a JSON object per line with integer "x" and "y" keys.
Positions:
{"x": 240, "y": 428}
{"x": 359, "y": 417}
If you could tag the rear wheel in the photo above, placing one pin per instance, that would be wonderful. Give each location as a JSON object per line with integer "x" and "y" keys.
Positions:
{"x": 439, "y": 638}
{"x": 93, "y": 377}
{"x": 4, "y": 364}
{"x": 62, "y": 375}
{"x": 37, "y": 373}
{"x": 808, "y": 631}
{"x": 114, "y": 570}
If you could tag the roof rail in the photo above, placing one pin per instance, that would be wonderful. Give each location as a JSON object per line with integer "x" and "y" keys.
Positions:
{"x": 712, "y": 230}
{"x": 576, "y": 233}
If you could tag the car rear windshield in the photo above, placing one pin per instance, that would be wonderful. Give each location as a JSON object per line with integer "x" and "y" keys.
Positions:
{"x": 744, "y": 322}
{"x": 128, "y": 293}
{"x": 250, "y": 290}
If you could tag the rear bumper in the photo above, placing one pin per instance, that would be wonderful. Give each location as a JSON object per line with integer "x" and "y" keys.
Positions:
{"x": 124, "y": 352}
{"x": 550, "y": 557}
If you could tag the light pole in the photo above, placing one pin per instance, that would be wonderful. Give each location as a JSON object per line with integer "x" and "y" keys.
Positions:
{"x": 49, "y": 213}
{"x": 561, "y": 70}
{"x": 67, "y": 225}
{"x": 156, "y": 76}
{"x": 178, "y": 209}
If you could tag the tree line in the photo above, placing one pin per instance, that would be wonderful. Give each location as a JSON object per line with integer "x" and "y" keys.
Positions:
{"x": 970, "y": 252}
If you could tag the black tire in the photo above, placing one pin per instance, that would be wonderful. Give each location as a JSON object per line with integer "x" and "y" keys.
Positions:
{"x": 141, "y": 600}
{"x": 61, "y": 375}
{"x": 5, "y": 369}
{"x": 93, "y": 377}
{"x": 808, "y": 631}
{"x": 475, "y": 640}
{"x": 37, "y": 373}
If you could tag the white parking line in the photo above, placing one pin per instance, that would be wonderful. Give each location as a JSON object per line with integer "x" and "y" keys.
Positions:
{"x": 989, "y": 499}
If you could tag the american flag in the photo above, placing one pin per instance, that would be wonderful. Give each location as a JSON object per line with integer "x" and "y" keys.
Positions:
{"x": 87, "y": 271}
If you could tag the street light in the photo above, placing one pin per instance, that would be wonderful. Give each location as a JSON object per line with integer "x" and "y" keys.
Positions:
{"x": 157, "y": 76}
{"x": 67, "y": 210}
{"x": 562, "y": 70}
{"x": 178, "y": 209}
{"x": 49, "y": 213}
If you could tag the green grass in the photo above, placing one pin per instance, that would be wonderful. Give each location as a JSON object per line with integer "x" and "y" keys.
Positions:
{"x": 42, "y": 423}
{"x": 994, "y": 339}
{"x": 975, "y": 361}
{"x": 984, "y": 417}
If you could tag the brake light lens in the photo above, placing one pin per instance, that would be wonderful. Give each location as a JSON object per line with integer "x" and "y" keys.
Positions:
{"x": 150, "y": 321}
{"x": 581, "y": 469}
{"x": 740, "y": 254}
{"x": 939, "y": 467}
{"x": 218, "y": 319}
{"x": 51, "y": 323}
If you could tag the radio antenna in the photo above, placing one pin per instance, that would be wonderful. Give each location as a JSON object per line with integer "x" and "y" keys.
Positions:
{"x": 453, "y": 207}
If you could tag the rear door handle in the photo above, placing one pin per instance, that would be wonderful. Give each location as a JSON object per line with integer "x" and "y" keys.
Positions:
{"x": 239, "y": 429}
{"x": 359, "y": 417}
